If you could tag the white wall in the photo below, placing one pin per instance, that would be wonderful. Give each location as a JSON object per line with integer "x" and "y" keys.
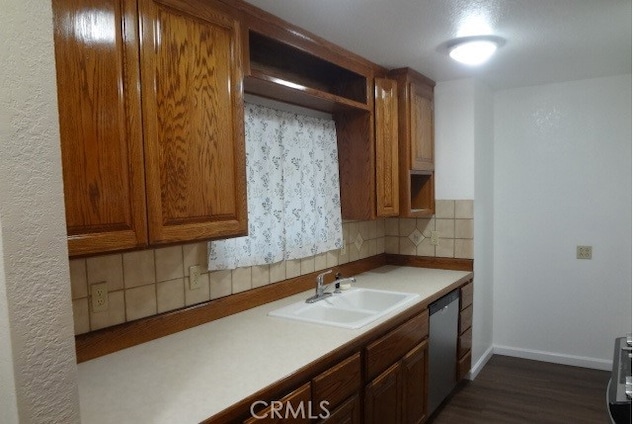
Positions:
{"x": 35, "y": 294}
{"x": 454, "y": 103}
{"x": 464, "y": 170}
{"x": 482, "y": 347}
{"x": 563, "y": 178}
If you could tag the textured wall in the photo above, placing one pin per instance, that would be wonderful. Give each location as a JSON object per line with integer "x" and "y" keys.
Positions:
{"x": 36, "y": 275}
{"x": 8, "y": 405}
{"x": 563, "y": 178}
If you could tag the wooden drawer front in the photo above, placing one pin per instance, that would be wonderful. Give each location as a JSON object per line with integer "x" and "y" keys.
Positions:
{"x": 336, "y": 384}
{"x": 466, "y": 294}
{"x": 393, "y": 346}
{"x": 300, "y": 396}
{"x": 466, "y": 317}
{"x": 464, "y": 365}
{"x": 347, "y": 413}
{"x": 464, "y": 343}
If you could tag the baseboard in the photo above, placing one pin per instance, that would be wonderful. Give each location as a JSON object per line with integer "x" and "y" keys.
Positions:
{"x": 556, "y": 358}
{"x": 480, "y": 363}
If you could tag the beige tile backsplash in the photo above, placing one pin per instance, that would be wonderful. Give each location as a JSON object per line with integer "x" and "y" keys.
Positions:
{"x": 453, "y": 222}
{"x": 149, "y": 282}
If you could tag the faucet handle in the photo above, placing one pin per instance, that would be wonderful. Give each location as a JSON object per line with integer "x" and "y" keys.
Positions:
{"x": 320, "y": 277}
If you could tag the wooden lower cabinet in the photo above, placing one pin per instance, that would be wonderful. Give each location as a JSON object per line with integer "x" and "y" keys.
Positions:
{"x": 465, "y": 331}
{"x": 383, "y": 398}
{"x": 334, "y": 386}
{"x": 286, "y": 410}
{"x": 399, "y": 394}
{"x": 415, "y": 379}
{"x": 347, "y": 413}
{"x": 383, "y": 380}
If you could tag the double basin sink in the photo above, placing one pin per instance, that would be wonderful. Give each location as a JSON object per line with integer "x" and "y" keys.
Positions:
{"x": 353, "y": 308}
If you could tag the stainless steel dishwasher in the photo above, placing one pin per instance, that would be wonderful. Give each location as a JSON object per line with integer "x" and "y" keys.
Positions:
{"x": 443, "y": 348}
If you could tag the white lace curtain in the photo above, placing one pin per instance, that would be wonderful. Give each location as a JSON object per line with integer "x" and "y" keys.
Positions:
{"x": 293, "y": 191}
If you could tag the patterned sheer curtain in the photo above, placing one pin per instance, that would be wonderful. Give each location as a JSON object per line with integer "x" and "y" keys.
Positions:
{"x": 292, "y": 187}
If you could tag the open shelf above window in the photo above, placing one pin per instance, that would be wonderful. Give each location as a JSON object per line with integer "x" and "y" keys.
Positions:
{"x": 282, "y": 72}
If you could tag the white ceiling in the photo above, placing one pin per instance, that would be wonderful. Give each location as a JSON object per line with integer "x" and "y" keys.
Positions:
{"x": 547, "y": 40}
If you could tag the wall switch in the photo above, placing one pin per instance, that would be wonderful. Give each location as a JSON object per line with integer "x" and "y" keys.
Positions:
{"x": 194, "y": 277}
{"x": 435, "y": 238}
{"x": 99, "y": 297}
{"x": 583, "y": 252}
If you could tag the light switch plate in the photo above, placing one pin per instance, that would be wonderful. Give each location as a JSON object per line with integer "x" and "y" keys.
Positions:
{"x": 583, "y": 252}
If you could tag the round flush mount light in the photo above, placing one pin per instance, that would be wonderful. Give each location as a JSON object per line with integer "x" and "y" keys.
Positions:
{"x": 474, "y": 50}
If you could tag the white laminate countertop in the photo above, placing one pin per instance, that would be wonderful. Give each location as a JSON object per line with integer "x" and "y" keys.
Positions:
{"x": 190, "y": 376}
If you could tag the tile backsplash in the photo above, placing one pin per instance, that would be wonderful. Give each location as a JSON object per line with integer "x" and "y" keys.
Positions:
{"x": 453, "y": 223}
{"x": 149, "y": 282}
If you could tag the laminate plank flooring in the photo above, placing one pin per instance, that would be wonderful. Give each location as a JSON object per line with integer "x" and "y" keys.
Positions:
{"x": 513, "y": 390}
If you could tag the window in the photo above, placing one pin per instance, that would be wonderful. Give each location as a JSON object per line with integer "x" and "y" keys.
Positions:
{"x": 292, "y": 187}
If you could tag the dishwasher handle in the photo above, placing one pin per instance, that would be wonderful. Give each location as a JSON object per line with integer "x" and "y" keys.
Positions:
{"x": 444, "y": 301}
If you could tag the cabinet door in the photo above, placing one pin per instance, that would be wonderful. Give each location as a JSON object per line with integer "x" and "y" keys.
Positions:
{"x": 347, "y": 413}
{"x": 386, "y": 118}
{"x": 383, "y": 398}
{"x": 421, "y": 104}
{"x": 96, "y": 47}
{"x": 415, "y": 370}
{"x": 293, "y": 408}
{"x": 337, "y": 384}
{"x": 193, "y": 121}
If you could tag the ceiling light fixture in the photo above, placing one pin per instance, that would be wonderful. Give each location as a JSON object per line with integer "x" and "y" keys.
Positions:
{"x": 474, "y": 50}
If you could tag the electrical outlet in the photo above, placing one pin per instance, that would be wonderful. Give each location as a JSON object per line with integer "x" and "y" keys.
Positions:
{"x": 194, "y": 277}
{"x": 99, "y": 297}
{"x": 343, "y": 249}
{"x": 583, "y": 252}
{"x": 435, "y": 238}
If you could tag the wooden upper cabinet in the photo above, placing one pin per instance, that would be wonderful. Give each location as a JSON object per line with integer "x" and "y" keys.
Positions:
{"x": 386, "y": 135}
{"x": 193, "y": 121}
{"x": 415, "y": 143}
{"x": 151, "y": 122}
{"x": 421, "y": 126}
{"x": 96, "y": 48}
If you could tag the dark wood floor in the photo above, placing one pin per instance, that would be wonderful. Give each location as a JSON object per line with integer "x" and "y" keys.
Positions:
{"x": 513, "y": 390}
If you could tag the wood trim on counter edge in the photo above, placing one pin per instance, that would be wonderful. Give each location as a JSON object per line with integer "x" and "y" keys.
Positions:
{"x": 112, "y": 339}
{"x": 452, "y": 264}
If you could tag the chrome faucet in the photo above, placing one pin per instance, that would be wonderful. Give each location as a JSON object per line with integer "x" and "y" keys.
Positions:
{"x": 321, "y": 287}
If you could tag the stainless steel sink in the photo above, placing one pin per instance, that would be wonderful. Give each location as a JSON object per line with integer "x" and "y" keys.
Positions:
{"x": 352, "y": 308}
